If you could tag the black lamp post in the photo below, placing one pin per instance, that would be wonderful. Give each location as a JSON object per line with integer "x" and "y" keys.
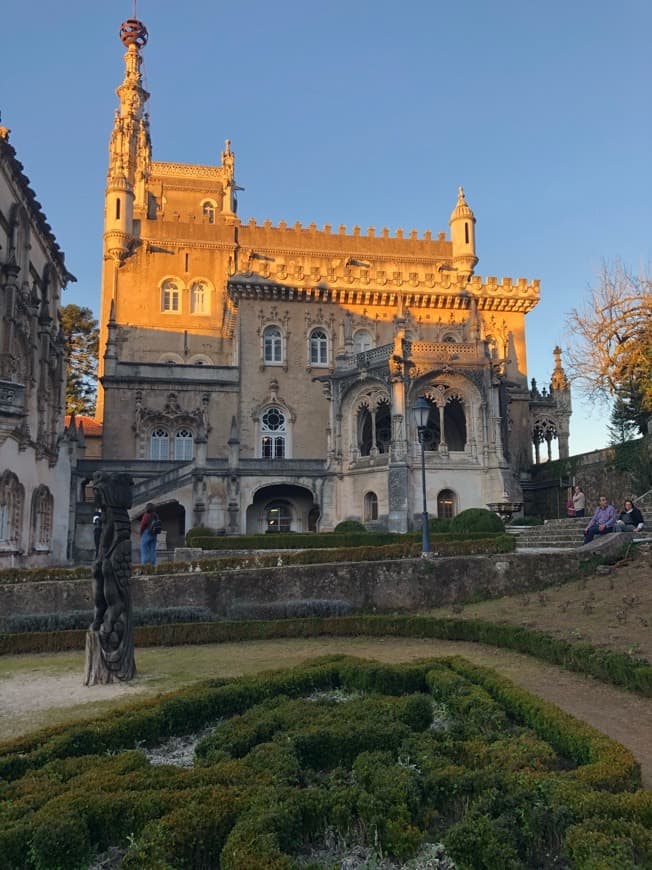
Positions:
{"x": 421, "y": 413}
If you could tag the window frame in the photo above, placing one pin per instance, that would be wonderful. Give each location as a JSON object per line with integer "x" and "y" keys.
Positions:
{"x": 153, "y": 439}
{"x": 360, "y": 332}
{"x": 274, "y": 442}
{"x": 184, "y": 438}
{"x": 205, "y": 298}
{"x": 318, "y": 342}
{"x": 171, "y": 292}
{"x": 275, "y": 344}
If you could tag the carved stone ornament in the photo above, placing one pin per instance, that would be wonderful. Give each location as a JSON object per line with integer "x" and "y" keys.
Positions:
{"x": 172, "y": 413}
{"x": 110, "y": 638}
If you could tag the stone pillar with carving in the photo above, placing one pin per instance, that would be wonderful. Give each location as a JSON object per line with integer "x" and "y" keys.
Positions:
{"x": 110, "y": 639}
{"x": 398, "y": 474}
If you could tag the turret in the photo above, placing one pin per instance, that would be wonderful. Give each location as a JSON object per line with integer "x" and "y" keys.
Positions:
{"x": 462, "y": 224}
{"x": 129, "y": 149}
{"x": 561, "y": 394}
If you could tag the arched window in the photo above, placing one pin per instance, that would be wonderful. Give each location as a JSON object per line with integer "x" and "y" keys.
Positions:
{"x": 199, "y": 298}
{"x": 446, "y": 504}
{"x": 273, "y": 433}
{"x": 370, "y": 507}
{"x": 450, "y": 339}
{"x": 362, "y": 341}
{"x": 208, "y": 210}
{"x": 159, "y": 444}
{"x": 170, "y": 297}
{"x": 278, "y": 517}
{"x": 12, "y": 496}
{"x": 374, "y": 429}
{"x": 455, "y": 424}
{"x": 183, "y": 444}
{"x": 318, "y": 348}
{"x": 272, "y": 345}
{"x": 42, "y": 511}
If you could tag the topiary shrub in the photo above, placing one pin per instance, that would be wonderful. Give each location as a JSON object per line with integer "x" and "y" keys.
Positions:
{"x": 199, "y": 532}
{"x": 439, "y": 525}
{"x": 477, "y": 520}
{"x": 350, "y": 526}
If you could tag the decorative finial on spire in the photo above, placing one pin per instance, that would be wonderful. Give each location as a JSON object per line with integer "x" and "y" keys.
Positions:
{"x": 462, "y": 208}
{"x": 559, "y": 381}
{"x": 133, "y": 32}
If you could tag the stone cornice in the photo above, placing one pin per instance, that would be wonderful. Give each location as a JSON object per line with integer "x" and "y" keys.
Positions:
{"x": 179, "y": 243}
{"x": 490, "y": 296}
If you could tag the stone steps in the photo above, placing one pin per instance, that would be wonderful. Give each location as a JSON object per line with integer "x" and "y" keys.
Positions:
{"x": 562, "y": 534}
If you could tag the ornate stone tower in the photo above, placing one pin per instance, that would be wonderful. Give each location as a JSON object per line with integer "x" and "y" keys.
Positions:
{"x": 462, "y": 224}
{"x": 130, "y": 156}
{"x": 550, "y": 412}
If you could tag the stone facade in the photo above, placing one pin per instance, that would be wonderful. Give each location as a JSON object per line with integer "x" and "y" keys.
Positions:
{"x": 34, "y": 449}
{"x": 269, "y": 371}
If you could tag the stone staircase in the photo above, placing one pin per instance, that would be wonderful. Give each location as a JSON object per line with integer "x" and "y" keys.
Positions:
{"x": 564, "y": 534}
{"x": 568, "y": 533}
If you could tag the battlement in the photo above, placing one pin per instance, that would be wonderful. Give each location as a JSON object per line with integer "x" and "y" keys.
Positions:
{"x": 355, "y": 233}
{"x": 507, "y": 287}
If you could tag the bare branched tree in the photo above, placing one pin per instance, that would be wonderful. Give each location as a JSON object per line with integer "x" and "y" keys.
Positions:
{"x": 610, "y": 337}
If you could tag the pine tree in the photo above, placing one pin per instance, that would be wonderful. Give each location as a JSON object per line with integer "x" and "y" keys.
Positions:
{"x": 81, "y": 335}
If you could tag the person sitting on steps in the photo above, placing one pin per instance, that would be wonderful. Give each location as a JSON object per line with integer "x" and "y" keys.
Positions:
{"x": 631, "y": 519}
{"x": 602, "y": 522}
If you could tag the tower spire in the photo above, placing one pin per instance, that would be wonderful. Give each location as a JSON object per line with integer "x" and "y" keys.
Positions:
{"x": 130, "y": 149}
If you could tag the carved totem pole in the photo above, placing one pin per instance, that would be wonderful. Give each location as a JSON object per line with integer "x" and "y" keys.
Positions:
{"x": 110, "y": 639}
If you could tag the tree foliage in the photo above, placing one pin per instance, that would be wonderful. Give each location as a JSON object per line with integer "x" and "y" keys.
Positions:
{"x": 628, "y": 418}
{"x": 610, "y": 347}
{"x": 81, "y": 336}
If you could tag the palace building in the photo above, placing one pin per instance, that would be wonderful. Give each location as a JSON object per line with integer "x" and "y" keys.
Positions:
{"x": 35, "y": 450}
{"x": 259, "y": 377}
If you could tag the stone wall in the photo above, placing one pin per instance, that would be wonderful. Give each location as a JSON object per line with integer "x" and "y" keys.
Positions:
{"x": 409, "y": 584}
{"x": 618, "y": 472}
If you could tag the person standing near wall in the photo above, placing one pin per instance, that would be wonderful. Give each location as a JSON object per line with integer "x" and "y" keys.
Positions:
{"x": 148, "y": 525}
{"x": 579, "y": 501}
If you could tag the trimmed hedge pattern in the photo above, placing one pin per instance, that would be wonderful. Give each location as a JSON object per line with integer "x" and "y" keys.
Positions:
{"x": 395, "y": 756}
{"x": 619, "y": 669}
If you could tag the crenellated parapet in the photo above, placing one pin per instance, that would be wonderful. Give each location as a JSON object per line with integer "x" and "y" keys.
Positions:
{"x": 342, "y": 230}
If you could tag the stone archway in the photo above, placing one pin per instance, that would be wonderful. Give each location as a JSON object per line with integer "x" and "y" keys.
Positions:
{"x": 282, "y": 508}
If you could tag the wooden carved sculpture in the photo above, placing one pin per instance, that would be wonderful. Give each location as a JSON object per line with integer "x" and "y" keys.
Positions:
{"x": 110, "y": 639}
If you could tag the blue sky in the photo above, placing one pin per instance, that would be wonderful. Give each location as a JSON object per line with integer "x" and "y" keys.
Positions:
{"x": 368, "y": 113}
